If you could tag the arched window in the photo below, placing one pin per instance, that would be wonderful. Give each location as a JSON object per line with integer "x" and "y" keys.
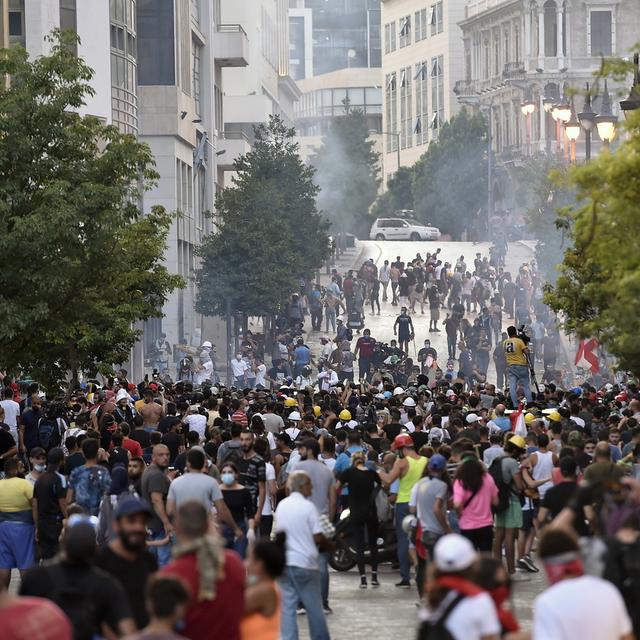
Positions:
{"x": 550, "y": 29}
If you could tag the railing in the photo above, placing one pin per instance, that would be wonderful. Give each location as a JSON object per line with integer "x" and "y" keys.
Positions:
{"x": 474, "y": 7}
{"x": 235, "y": 135}
{"x": 513, "y": 70}
{"x": 465, "y": 88}
{"x": 230, "y": 28}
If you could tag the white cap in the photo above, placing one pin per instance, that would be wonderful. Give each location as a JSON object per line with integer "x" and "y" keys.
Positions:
{"x": 409, "y": 402}
{"x": 398, "y": 391}
{"x": 472, "y": 417}
{"x": 206, "y": 343}
{"x": 294, "y": 416}
{"x": 449, "y": 393}
{"x": 453, "y": 552}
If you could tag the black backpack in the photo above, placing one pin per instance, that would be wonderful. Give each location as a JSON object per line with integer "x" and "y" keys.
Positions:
{"x": 49, "y": 434}
{"x": 435, "y": 629}
{"x": 504, "y": 489}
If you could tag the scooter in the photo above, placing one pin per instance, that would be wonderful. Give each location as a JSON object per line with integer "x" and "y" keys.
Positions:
{"x": 343, "y": 557}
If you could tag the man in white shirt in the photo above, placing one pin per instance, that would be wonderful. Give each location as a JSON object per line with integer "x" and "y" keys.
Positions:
{"x": 327, "y": 378}
{"x": 575, "y": 605}
{"x": 239, "y": 369}
{"x": 11, "y": 412}
{"x": 384, "y": 276}
{"x": 196, "y": 422}
{"x": 299, "y": 519}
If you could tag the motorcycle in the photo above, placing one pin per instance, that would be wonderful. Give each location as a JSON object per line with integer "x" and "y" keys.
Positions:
{"x": 343, "y": 557}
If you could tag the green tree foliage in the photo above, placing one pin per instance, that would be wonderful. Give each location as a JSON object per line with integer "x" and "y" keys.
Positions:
{"x": 81, "y": 264}
{"x": 450, "y": 179}
{"x": 347, "y": 172}
{"x": 598, "y": 289}
{"x": 269, "y": 232}
{"x": 399, "y": 194}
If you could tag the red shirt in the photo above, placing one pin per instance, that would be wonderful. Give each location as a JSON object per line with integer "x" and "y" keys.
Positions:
{"x": 133, "y": 447}
{"x": 29, "y": 618}
{"x": 240, "y": 417}
{"x": 366, "y": 344}
{"x": 221, "y": 617}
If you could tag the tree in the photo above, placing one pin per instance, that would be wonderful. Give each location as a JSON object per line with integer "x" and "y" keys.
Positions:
{"x": 347, "y": 172}
{"x": 598, "y": 289}
{"x": 399, "y": 194}
{"x": 450, "y": 178}
{"x": 81, "y": 264}
{"x": 269, "y": 233}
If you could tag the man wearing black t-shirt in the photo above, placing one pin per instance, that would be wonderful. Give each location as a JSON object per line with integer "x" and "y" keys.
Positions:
{"x": 394, "y": 428}
{"x": 8, "y": 447}
{"x": 126, "y": 557}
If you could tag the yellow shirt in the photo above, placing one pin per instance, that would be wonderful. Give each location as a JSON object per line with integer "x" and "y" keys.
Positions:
{"x": 15, "y": 495}
{"x": 514, "y": 351}
{"x": 416, "y": 467}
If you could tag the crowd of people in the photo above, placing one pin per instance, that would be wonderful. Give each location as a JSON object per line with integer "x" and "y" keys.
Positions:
{"x": 171, "y": 510}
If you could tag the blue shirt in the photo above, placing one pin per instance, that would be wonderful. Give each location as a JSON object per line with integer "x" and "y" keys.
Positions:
{"x": 503, "y": 422}
{"x": 302, "y": 355}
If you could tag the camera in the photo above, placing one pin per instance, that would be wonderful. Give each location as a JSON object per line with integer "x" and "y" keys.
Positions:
{"x": 522, "y": 334}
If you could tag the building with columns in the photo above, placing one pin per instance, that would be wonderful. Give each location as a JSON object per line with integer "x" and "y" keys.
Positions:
{"x": 421, "y": 62}
{"x": 523, "y": 56}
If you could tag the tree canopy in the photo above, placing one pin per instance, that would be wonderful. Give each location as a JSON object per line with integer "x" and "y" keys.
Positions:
{"x": 347, "y": 172}
{"x": 450, "y": 178}
{"x": 81, "y": 263}
{"x": 598, "y": 289}
{"x": 269, "y": 233}
{"x": 399, "y": 194}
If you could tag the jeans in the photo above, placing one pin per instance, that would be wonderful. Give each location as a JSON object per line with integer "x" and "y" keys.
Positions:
{"x": 238, "y": 545}
{"x": 298, "y": 584}
{"x": 323, "y": 561}
{"x": 330, "y": 319}
{"x": 363, "y": 367}
{"x": 519, "y": 374}
{"x": 316, "y": 318}
{"x": 451, "y": 345}
{"x": 402, "y": 510}
{"x": 163, "y": 553}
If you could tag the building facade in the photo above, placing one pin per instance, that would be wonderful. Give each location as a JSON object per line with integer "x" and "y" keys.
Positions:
{"x": 421, "y": 62}
{"x": 537, "y": 53}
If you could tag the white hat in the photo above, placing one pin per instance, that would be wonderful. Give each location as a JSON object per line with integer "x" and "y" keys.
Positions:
{"x": 122, "y": 395}
{"x": 294, "y": 416}
{"x": 409, "y": 402}
{"x": 449, "y": 393}
{"x": 453, "y": 552}
{"x": 472, "y": 417}
{"x": 206, "y": 343}
{"x": 398, "y": 391}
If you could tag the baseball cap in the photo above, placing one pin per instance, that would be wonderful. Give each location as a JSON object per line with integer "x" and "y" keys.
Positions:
{"x": 131, "y": 506}
{"x": 453, "y": 553}
{"x": 472, "y": 417}
{"x": 437, "y": 462}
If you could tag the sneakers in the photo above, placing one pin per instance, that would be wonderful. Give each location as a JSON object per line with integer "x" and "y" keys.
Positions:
{"x": 301, "y": 611}
{"x": 327, "y": 609}
{"x": 374, "y": 580}
{"x": 403, "y": 584}
{"x": 363, "y": 582}
{"x": 527, "y": 564}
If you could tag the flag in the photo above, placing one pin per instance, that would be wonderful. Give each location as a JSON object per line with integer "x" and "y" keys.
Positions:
{"x": 586, "y": 356}
{"x": 518, "y": 425}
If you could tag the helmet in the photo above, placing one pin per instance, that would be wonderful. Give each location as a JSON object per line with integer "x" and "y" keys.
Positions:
{"x": 453, "y": 553}
{"x": 294, "y": 416}
{"x": 317, "y": 411}
{"x": 345, "y": 415}
{"x": 398, "y": 391}
{"x": 409, "y": 522}
{"x": 402, "y": 440}
{"x": 409, "y": 402}
{"x": 290, "y": 402}
{"x": 206, "y": 345}
{"x": 554, "y": 416}
{"x": 529, "y": 417}
{"x": 519, "y": 442}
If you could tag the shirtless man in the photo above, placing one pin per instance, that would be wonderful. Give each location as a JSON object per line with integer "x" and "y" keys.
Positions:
{"x": 151, "y": 412}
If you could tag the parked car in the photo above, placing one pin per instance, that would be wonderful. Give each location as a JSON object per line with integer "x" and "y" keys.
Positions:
{"x": 402, "y": 229}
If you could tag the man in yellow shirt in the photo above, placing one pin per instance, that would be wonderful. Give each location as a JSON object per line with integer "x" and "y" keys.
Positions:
{"x": 17, "y": 544}
{"x": 515, "y": 351}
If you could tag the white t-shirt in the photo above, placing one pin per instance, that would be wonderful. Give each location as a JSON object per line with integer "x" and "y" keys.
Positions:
{"x": 11, "y": 412}
{"x": 270, "y": 474}
{"x": 238, "y": 367}
{"x": 585, "y": 607}
{"x": 472, "y": 618}
{"x": 579, "y": 421}
{"x": 197, "y": 423}
{"x": 261, "y": 371}
{"x": 300, "y": 520}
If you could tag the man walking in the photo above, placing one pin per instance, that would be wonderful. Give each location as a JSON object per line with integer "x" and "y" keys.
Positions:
{"x": 88, "y": 483}
{"x": 365, "y": 346}
{"x": 515, "y": 351}
{"x": 403, "y": 328}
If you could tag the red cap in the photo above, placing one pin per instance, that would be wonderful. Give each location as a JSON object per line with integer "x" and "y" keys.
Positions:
{"x": 402, "y": 440}
{"x": 131, "y": 386}
{"x": 153, "y": 386}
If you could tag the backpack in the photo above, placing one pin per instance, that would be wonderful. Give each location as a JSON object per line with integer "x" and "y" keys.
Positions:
{"x": 49, "y": 434}
{"x": 435, "y": 629}
{"x": 504, "y": 489}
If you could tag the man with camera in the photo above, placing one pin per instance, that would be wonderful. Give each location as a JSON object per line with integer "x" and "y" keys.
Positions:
{"x": 515, "y": 351}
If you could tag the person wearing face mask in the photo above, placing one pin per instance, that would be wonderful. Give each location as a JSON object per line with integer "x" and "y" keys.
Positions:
{"x": 239, "y": 502}
{"x": 239, "y": 368}
{"x": 38, "y": 464}
{"x": 126, "y": 557}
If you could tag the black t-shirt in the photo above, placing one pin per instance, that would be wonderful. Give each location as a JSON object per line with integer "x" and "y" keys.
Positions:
{"x": 361, "y": 484}
{"x": 557, "y": 498}
{"x": 47, "y": 491}
{"x": 75, "y": 460}
{"x": 240, "y": 503}
{"x": 469, "y": 433}
{"x": 392, "y": 430}
{"x": 180, "y": 461}
{"x": 142, "y": 437}
{"x": 420, "y": 438}
{"x": 118, "y": 455}
{"x": 166, "y": 423}
{"x": 30, "y": 419}
{"x": 6, "y": 444}
{"x": 132, "y": 576}
{"x": 173, "y": 441}
{"x": 88, "y": 595}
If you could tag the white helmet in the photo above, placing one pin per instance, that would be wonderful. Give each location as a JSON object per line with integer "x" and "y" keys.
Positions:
{"x": 294, "y": 416}
{"x": 206, "y": 345}
{"x": 409, "y": 402}
{"x": 398, "y": 391}
{"x": 409, "y": 522}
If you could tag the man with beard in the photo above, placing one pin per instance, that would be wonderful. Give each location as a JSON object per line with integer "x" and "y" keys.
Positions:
{"x": 135, "y": 469}
{"x": 126, "y": 557}
{"x": 252, "y": 473}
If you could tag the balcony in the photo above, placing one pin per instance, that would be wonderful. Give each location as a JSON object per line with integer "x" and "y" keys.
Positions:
{"x": 231, "y": 46}
{"x": 514, "y": 71}
{"x": 230, "y": 147}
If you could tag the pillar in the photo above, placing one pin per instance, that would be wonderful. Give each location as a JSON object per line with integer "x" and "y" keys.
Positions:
{"x": 540, "y": 37}
{"x": 559, "y": 36}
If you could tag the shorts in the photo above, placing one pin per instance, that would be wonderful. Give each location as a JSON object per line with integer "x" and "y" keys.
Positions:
{"x": 528, "y": 516}
{"x": 510, "y": 518}
{"x": 17, "y": 545}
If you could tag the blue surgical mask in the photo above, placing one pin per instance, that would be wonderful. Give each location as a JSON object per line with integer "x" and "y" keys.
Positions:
{"x": 39, "y": 467}
{"x": 228, "y": 478}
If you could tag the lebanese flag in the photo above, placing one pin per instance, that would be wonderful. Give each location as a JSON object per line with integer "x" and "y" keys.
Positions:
{"x": 586, "y": 356}
{"x": 518, "y": 425}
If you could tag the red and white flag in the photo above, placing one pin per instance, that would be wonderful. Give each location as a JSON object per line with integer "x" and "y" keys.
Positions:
{"x": 518, "y": 425}
{"x": 586, "y": 356}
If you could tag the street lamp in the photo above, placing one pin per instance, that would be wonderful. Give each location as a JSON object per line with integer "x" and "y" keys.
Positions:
{"x": 587, "y": 119}
{"x": 605, "y": 120}
{"x": 632, "y": 101}
{"x": 572, "y": 131}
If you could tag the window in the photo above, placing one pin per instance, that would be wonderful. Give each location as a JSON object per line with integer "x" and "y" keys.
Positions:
{"x": 600, "y": 33}
{"x": 405, "y": 32}
{"x": 421, "y": 125}
{"x": 406, "y": 102}
{"x": 496, "y": 53}
{"x": 516, "y": 44}
{"x": 195, "y": 11}
{"x": 391, "y": 111}
{"x": 420, "y": 25}
{"x": 550, "y": 29}
{"x": 390, "y": 37}
{"x": 507, "y": 47}
{"x": 15, "y": 23}
{"x": 436, "y": 18}
{"x": 437, "y": 95}
{"x": 68, "y": 19}
{"x": 195, "y": 76}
